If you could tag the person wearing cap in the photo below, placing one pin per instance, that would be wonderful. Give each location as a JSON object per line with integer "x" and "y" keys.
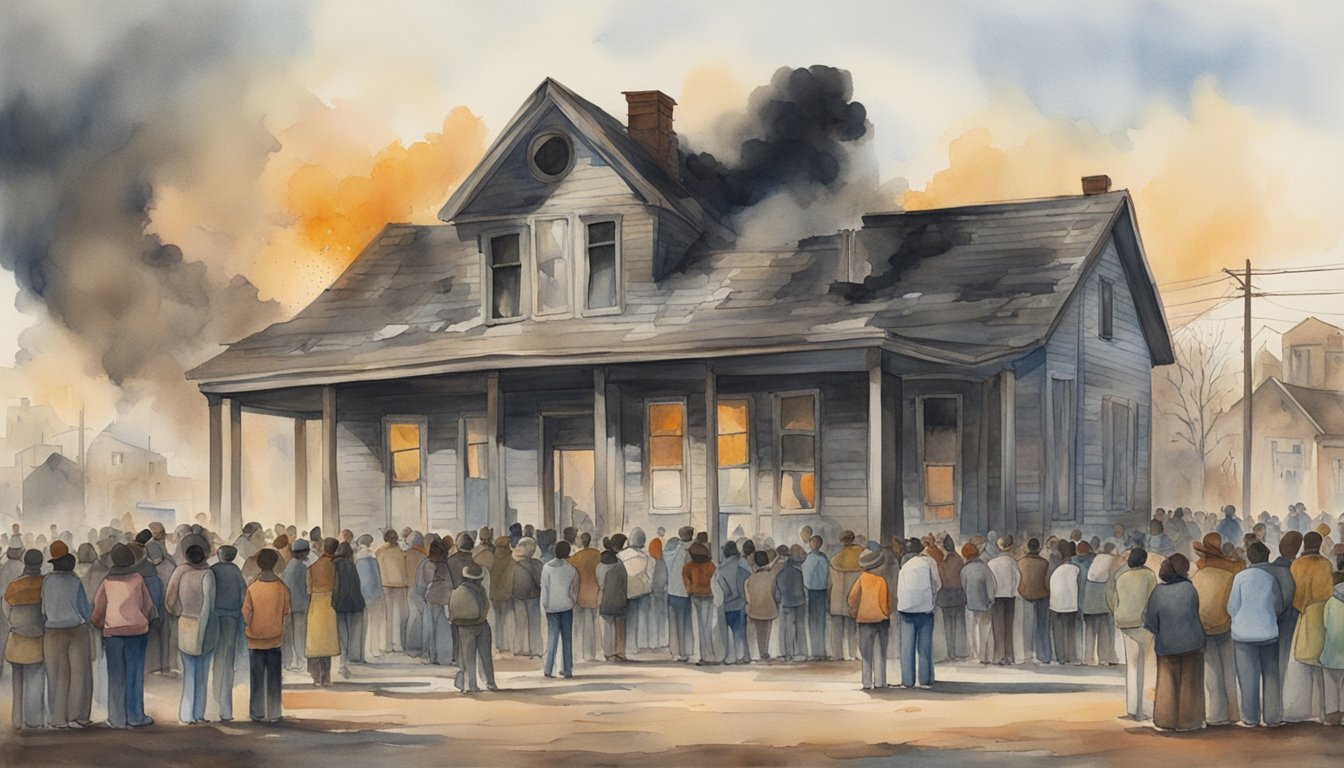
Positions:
{"x": 123, "y": 610}
{"x": 22, "y": 608}
{"x": 844, "y": 572}
{"x": 438, "y": 640}
{"x": 917, "y": 586}
{"x": 1172, "y": 616}
{"x": 323, "y": 639}
{"x": 191, "y": 598}
{"x": 230, "y": 588}
{"x": 1213, "y": 583}
{"x": 392, "y": 570}
{"x": 66, "y": 650}
{"x": 870, "y": 606}
{"x": 265, "y": 607}
{"x": 979, "y": 584}
{"x": 559, "y": 593}
{"x": 1304, "y": 684}
{"x": 295, "y": 577}
{"x": 469, "y": 611}
{"x": 1007, "y": 577}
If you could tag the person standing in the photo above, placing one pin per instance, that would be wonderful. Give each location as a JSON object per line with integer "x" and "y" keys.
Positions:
{"x": 1127, "y": 597}
{"x": 585, "y": 609}
{"x": 1254, "y": 604}
{"x": 265, "y": 607}
{"x": 611, "y": 575}
{"x": 123, "y": 609}
{"x": 66, "y": 650}
{"x": 323, "y": 635}
{"x": 1064, "y": 606}
{"x": 730, "y": 581}
{"x": 761, "y": 606}
{"x": 347, "y": 600}
{"x": 639, "y": 586}
{"x": 469, "y": 610}
{"x": 526, "y": 599}
{"x": 980, "y": 586}
{"x": 295, "y": 577}
{"x": 952, "y": 601}
{"x": 658, "y": 596}
{"x": 1098, "y": 626}
{"x": 1213, "y": 582}
{"x": 190, "y": 597}
{"x": 1304, "y": 688}
{"x": 1172, "y": 616}
{"x": 1229, "y": 528}
{"x": 870, "y": 606}
{"x": 371, "y": 588}
{"x": 230, "y": 588}
{"x": 844, "y": 572}
{"x": 792, "y": 600}
{"x": 559, "y": 592}
{"x": 1332, "y": 656}
{"x": 698, "y": 577}
{"x": 1034, "y": 588}
{"x": 501, "y": 594}
{"x": 817, "y": 581}
{"x": 917, "y": 586}
{"x": 412, "y": 636}
{"x": 1007, "y": 579}
{"x": 680, "y": 630}
{"x": 438, "y": 641}
{"x": 392, "y": 569}
{"x": 23, "y": 612}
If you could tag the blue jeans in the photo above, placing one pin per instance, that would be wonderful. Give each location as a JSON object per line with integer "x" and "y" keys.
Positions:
{"x": 1257, "y": 668}
{"x": 560, "y": 626}
{"x": 195, "y": 679}
{"x": 736, "y": 623}
{"x": 126, "y": 680}
{"x": 680, "y": 637}
{"x": 817, "y": 603}
{"x": 916, "y": 638}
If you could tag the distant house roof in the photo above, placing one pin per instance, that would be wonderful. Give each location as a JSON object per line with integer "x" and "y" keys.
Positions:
{"x": 1324, "y": 407}
{"x": 961, "y": 286}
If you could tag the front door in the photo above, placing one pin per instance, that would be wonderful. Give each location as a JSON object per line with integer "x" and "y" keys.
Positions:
{"x": 568, "y": 470}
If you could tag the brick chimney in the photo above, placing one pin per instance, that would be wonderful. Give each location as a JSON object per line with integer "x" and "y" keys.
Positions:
{"x": 1096, "y": 185}
{"x": 649, "y": 123}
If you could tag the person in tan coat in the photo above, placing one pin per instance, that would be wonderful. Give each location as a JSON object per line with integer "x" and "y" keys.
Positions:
{"x": 844, "y": 573}
{"x": 1304, "y": 686}
{"x": 1213, "y": 583}
{"x": 584, "y": 561}
{"x": 323, "y": 640}
{"x": 392, "y": 566}
{"x": 265, "y": 607}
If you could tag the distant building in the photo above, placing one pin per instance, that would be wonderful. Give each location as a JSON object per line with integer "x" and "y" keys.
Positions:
{"x": 54, "y": 490}
{"x": 1266, "y": 366}
{"x": 123, "y": 475}
{"x": 1313, "y": 355}
{"x": 581, "y": 344}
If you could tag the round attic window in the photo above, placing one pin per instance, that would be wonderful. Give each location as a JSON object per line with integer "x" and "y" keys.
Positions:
{"x": 550, "y": 156}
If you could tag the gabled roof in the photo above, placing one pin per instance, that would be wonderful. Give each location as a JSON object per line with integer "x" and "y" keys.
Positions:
{"x": 957, "y": 286}
{"x": 1324, "y": 407}
{"x": 1311, "y": 324}
{"x": 607, "y": 137}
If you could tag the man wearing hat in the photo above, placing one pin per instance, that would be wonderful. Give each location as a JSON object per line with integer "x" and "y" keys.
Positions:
{"x": 468, "y": 610}
{"x": 1007, "y": 577}
{"x": 123, "y": 610}
{"x": 844, "y": 573}
{"x": 23, "y": 608}
{"x": 66, "y": 651}
{"x": 1213, "y": 584}
{"x": 295, "y": 577}
{"x": 870, "y": 607}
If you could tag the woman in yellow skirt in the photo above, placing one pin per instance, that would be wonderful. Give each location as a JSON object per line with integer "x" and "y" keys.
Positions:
{"x": 323, "y": 642}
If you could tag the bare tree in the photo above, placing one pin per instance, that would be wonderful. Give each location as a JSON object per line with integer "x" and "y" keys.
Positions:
{"x": 1198, "y": 387}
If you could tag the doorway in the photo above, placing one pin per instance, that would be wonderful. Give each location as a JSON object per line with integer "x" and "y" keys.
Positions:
{"x": 568, "y": 470}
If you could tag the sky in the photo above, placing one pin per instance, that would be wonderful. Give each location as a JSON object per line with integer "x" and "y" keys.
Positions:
{"x": 189, "y": 171}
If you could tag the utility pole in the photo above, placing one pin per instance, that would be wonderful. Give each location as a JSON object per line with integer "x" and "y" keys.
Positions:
{"x": 1246, "y": 380}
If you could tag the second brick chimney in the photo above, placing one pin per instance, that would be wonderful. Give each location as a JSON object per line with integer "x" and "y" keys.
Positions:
{"x": 1096, "y": 185}
{"x": 649, "y": 123}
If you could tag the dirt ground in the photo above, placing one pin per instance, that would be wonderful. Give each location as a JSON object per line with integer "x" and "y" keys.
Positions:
{"x": 651, "y": 712}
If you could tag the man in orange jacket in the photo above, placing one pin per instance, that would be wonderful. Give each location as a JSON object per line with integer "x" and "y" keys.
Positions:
{"x": 870, "y": 607}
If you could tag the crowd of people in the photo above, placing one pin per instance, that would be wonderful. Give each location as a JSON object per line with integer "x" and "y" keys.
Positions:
{"x": 1195, "y": 604}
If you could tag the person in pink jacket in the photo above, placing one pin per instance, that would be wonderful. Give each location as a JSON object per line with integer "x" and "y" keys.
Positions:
{"x": 123, "y": 609}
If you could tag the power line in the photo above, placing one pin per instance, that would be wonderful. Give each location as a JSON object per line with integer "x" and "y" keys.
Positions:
{"x": 1262, "y": 294}
{"x": 1191, "y": 280}
{"x": 1200, "y": 301}
{"x": 1194, "y": 286}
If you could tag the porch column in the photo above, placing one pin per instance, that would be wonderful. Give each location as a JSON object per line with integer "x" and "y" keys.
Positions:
{"x": 601, "y": 451}
{"x": 235, "y": 466}
{"x": 712, "y": 457}
{"x": 876, "y": 434}
{"x": 216, "y": 459}
{"x": 331, "y": 501}
{"x": 494, "y": 428}
{"x": 300, "y": 472}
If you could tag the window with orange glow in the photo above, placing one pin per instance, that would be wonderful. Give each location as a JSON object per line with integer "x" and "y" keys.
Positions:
{"x": 667, "y": 452}
{"x": 734, "y": 444}
{"x": 403, "y": 443}
{"x": 797, "y": 451}
{"x": 939, "y": 449}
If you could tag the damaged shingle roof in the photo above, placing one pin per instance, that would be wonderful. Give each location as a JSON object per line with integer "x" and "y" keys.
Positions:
{"x": 960, "y": 286}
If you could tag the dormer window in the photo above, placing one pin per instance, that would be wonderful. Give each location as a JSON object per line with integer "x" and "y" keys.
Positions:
{"x": 550, "y": 156}
{"x": 553, "y": 267}
{"x": 505, "y": 259}
{"x": 603, "y": 249}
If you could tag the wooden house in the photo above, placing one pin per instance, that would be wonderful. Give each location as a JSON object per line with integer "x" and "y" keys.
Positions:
{"x": 581, "y": 343}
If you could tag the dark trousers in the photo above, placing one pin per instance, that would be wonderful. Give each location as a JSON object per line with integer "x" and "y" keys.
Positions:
{"x": 873, "y": 650}
{"x": 68, "y": 657}
{"x": 226, "y": 659}
{"x": 916, "y": 644}
{"x": 761, "y": 629}
{"x": 350, "y": 634}
{"x": 792, "y": 636}
{"x": 1064, "y": 636}
{"x": 1258, "y": 670}
{"x": 736, "y": 624}
{"x": 126, "y": 680}
{"x": 475, "y": 643}
{"x": 319, "y": 667}
{"x": 264, "y": 701}
{"x": 680, "y": 638}
{"x": 560, "y": 630}
{"x": 1179, "y": 702}
{"x": 954, "y": 630}
{"x": 1001, "y": 624}
{"x": 817, "y": 603}
{"x": 1037, "y": 634}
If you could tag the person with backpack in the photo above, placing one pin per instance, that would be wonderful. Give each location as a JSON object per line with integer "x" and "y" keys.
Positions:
{"x": 526, "y": 599}
{"x": 468, "y": 609}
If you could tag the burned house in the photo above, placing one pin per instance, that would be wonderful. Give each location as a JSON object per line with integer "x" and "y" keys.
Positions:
{"x": 580, "y": 343}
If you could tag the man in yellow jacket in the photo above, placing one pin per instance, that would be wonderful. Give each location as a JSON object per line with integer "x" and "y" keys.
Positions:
{"x": 870, "y": 607}
{"x": 1304, "y": 686}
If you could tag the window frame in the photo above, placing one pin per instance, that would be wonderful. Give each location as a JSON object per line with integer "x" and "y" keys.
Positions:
{"x": 524, "y": 235}
{"x": 777, "y": 404}
{"x": 583, "y": 271}
{"x": 1105, "y": 309}
{"x": 958, "y": 467}
{"x": 1108, "y": 454}
{"x": 534, "y": 266}
{"x": 750, "y": 464}
{"x": 422, "y": 423}
{"x": 464, "y": 446}
{"x": 685, "y": 456}
{"x": 535, "y": 144}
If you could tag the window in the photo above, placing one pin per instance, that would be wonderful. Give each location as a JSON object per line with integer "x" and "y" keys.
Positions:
{"x": 118, "y": 458}
{"x": 734, "y": 444}
{"x": 476, "y": 446}
{"x": 796, "y": 416}
{"x": 940, "y": 454}
{"x": 475, "y": 471}
{"x": 1117, "y": 444}
{"x": 1106, "y": 320}
{"x": 505, "y": 259}
{"x": 550, "y": 156}
{"x": 667, "y": 455}
{"x": 553, "y": 269}
{"x": 403, "y": 445}
{"x": 1060, "y": 450}
{"x": 603, "y": 265}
